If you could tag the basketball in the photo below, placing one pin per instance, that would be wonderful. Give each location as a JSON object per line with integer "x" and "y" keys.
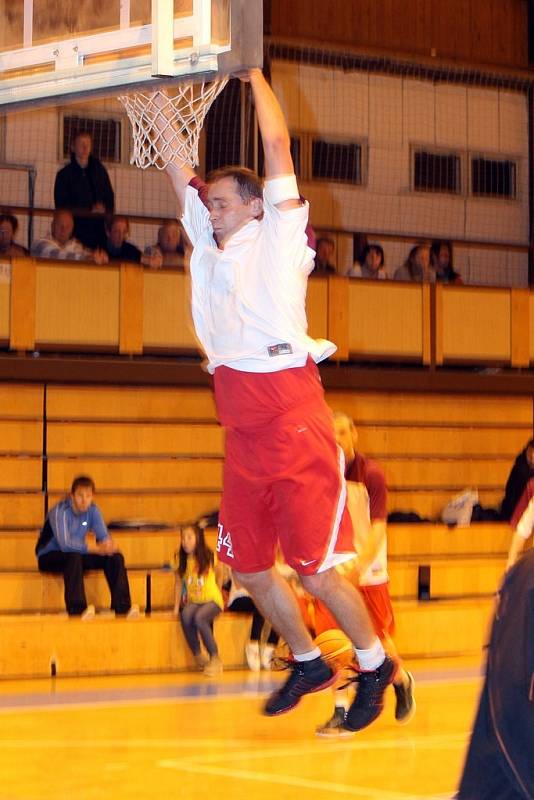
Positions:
{"x": 336, "y": 648}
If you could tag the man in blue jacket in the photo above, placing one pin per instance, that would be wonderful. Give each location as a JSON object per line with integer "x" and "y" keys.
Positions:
{"x": 63, "y": 548}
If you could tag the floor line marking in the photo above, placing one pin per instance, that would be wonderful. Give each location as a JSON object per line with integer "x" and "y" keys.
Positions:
{"x": 346, "y": 790}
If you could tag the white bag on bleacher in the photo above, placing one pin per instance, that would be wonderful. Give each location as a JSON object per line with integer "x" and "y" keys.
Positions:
{"x": 459, "y": 510}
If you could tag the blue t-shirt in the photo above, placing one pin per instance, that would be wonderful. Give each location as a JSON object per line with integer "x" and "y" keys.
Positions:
{"x": 70, "y": 529}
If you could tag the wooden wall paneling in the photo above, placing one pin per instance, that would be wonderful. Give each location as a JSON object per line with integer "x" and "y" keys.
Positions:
{"x": 21, "y": 509}
{"x": 18, "y": 400}
{"x": 476, "y": 324}
{"x": 338, "y": 316}
{"x": 23, "y": 304}
{"x": 418, "y": 408}
{"x": 20, "y": 473}
{"x": 480, "y": 20}
{"x": 519, "y": 37}
{"x": 443, "y": 440}
{"x": 133, "y": 403}
{"x": 426, "y": 322}
{"x": 77, "y": 304}
{"x": 519, "y": 327}
{"x": 385, "y": 319}
{"x": 131, "y": 309}
{"x": 135, "y": 438}
{"x": 137, "y": 474}
{"x": 317, "y": 308}
{"x": 21, "y": 436}
{"x": 167, "y": 310}
{"x": 437, "y": 355}
{"x": 5, "y": 293}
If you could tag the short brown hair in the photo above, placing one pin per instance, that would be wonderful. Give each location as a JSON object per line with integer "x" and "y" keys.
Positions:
{"x": 82, "y": 482}
{"x": 248, "y": 183}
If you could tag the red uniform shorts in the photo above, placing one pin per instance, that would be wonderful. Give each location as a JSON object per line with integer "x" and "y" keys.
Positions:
{"x": 283, "y": 473}
{"x": 378, "y": 603}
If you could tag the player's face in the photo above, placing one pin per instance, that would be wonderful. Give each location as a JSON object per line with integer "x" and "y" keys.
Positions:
{"x": 189, "y": 540}
{"x": 81, "y": 499}
{"x": 344, "y": 432}
{"x": 228, "y": 211}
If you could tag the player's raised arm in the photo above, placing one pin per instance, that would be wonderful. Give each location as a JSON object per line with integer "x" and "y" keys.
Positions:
{"x": 274, "y": 132}
{"x": 180, "y": 174}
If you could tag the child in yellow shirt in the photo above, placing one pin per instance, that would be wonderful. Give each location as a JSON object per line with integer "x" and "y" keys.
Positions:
{"x": 198, "y": 597}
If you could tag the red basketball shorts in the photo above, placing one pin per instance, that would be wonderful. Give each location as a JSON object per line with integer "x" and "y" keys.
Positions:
{"x": 378, "y": 603}
{"x": 283, "y": 473}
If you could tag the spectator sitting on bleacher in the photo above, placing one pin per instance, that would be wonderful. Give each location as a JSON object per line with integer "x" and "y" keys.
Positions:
{"x": 372, "y": 266}
{"x": 63, "y": 548}
{"x": 8, "y": 229}
{"x": 417, "y": 266}
{"x": 60, "y": 243}
{"x": 169, "y": 247}
{"x": 441, "y": 259}
{"x": 198, "y": 596}
{"x": 118, "y": 249}
{"x": 324, "y": 249}
{"x": 520, "y": 474}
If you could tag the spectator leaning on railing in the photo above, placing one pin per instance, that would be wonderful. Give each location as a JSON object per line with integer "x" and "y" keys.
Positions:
{"x": 60, "y": 243}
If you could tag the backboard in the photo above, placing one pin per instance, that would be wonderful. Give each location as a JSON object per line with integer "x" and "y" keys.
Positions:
{"x": 51, "y": 52}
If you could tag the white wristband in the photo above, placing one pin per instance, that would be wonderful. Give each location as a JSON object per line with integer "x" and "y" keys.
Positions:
{"x": 283, "y": 187}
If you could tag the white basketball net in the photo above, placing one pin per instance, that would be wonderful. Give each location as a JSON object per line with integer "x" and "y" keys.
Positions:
{"x": 167, "y": 128}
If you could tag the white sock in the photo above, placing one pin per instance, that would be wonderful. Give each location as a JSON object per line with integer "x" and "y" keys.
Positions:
{"x": 315, "y": 653}
{"x": 372, "y": 658}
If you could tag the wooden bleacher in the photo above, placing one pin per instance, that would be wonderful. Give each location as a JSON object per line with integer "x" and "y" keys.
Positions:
{"x": 157, "y": 454}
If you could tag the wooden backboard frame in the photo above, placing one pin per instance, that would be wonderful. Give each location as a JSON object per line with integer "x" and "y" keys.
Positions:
{"x": 59, "y": 71}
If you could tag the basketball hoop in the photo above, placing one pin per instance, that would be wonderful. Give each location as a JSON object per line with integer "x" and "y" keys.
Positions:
{"x": 167, "y": 128}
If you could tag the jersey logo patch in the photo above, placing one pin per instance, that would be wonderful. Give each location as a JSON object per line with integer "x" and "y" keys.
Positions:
{"x": 282, "y": 349}
{"x": 224, "y": 540}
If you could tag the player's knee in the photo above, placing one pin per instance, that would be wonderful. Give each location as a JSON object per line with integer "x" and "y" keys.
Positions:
{"x": 320, "y": 583}
{"x": 254, "y": 582}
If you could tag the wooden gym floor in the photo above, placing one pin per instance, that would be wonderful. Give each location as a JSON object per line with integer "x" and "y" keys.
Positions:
{"x": 184, "y": 736}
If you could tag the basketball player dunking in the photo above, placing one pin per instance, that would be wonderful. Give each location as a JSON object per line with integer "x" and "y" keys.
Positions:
{"x": 283, "y": 473}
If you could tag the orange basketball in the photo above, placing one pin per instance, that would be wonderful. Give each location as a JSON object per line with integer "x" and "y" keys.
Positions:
{"x": 336, "y": 648}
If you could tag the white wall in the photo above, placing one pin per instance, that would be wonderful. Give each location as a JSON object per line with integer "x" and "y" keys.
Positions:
{"x": 392, "y": 114}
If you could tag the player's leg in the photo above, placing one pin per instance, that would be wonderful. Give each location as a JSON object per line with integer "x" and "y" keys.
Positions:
{"x": 274, "y": 598}
{"x": 378, "y": 602}
{"x": 247, "y": 541}
{"x": 403, "y": 684}
{"x": 316, "y": 534}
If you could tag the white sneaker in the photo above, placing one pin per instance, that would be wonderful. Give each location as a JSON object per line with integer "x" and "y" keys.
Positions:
{"x": 88, "y": 614}
{"x": 267, "y": 656}
{"x": 134, "y": 612}
{"x": 252, "y": 654}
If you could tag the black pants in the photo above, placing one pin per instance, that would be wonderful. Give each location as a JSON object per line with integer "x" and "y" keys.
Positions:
{"x": 73, "y": 565}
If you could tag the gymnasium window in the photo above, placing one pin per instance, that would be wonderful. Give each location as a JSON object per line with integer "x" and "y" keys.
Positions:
{"x": 436, "y": 172}
{"x": 492, "y": 177}
{"x": 105, "y": 133}
{"x": 336, "y": 161}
